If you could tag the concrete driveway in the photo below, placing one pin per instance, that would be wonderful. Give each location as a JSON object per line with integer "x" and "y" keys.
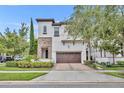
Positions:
{"x": 76, "y": 73}
{"x": 71, "y": 67}
{"x": 77, "y": 76}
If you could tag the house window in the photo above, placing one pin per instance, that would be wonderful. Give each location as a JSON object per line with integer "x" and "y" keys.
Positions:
{"x": 44, "y": 30}
{"x": 56, "y": 31}
{"x": 63, "y": 43}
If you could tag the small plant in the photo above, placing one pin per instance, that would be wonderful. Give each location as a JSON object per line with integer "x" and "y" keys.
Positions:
{"x": 86, "y": 62}
{"x": 120, "y": 62}
{"x": 28, "y": 58}
{"x": 11, "y": 64}
{"x": 36, "y": 58}
{"x": 24, "y": 64}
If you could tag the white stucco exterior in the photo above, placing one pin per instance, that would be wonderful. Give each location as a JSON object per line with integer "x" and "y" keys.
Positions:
{"x": 67, "y": 46}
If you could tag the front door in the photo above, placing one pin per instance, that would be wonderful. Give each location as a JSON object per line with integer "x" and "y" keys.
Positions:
{"x": 45, "y": 53}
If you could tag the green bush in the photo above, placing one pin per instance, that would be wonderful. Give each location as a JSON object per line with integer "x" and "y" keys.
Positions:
{"x": 42, "y": 64}
{"x": 120, "y": 62}
{"x": 25, "y": 64}
{"x": 86, "y": 62}
{"x": 28, "y": 58}
{"x": 11, "y": 64}
{"x": 35, "y": 64}
{"x": 106, "y": 64}
{"x": 94, "y": 65}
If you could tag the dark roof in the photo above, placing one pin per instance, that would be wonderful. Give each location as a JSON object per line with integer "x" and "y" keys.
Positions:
{"x": 44, "y": 20}
{"x": 48, "y": 20}
{"x": 58, "y": 24}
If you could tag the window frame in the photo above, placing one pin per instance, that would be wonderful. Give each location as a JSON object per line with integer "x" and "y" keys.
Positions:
{"x": 56, "y": 30}
{"x": 44, "y": 29}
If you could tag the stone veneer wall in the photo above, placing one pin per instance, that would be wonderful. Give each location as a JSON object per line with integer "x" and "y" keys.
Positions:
{"x": 44, "y": 42}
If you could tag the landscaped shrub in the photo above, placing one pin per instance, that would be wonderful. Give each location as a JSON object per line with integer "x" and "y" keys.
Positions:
{"x": 103, "y": 63}
{"x": 86, "y": 62}
{"x": 120, "y": 62}
{"x": 94, "y": 65}
{"x": 11, "y": 64}
{"x": 25, "y": 64}
{"x": 97, "y": 66}
{"x": 35, "y": 64}
{"x": 42, "y": 64}
{"x": 28, "y": 58}
{"x": 106, "y": 64}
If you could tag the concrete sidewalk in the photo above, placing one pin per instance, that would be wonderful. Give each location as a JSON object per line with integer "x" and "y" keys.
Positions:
{"x": 61, "y": 71}
{"x": 80, "y": 76}
{"x": 22, "y": 71}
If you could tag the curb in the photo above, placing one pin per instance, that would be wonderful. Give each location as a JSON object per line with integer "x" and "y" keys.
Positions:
{"x": 29, "y": 82}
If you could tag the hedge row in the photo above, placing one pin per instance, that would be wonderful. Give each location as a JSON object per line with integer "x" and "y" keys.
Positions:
{"x": 23, "y": 64}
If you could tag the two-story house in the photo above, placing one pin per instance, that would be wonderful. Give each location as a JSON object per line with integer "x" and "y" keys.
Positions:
{"x": 55, "y": 43}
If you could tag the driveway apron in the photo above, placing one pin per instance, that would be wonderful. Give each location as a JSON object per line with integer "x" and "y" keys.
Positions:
{"x": 76, "y": 72}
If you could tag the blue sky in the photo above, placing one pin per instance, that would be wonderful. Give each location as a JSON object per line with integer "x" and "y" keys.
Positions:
{"x": 12, "y": 16}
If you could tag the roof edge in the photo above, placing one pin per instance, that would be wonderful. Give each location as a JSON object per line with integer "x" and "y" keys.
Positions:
{"x": 45, "y": 20}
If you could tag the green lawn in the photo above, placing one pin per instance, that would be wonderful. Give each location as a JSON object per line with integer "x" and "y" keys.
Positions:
{"x": 4, "y": 68}
{"x": 114, "y": 68}
{"x": 19, "y": 76}
{"x": 117, "y": 74}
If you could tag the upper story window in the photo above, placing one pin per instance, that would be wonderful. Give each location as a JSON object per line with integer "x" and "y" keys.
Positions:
{"x": 44, "y": 30}
{"x": 56, "y": 31}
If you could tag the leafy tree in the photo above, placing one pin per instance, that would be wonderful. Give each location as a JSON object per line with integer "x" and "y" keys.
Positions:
{"x": 23, "y": 44}
{"x": 112, "y": 47}
{"x": 32, "y": 40}
{"x": 120, "y": 26}
{"x": 35, "y": 46}
{"x": 82, "y": 25}
{"x": 12, "y": 42}
{"x": 96, "y": 25}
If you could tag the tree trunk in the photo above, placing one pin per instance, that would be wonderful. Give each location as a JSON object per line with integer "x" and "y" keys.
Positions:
{"x": 89, "y": 51}
{"x": 123, "y": 49}
{"x": 123, "y": 44}
{"x": 101, "y": 52}
{"x": 104, "y": 53}
{"x": 113, "y": 58}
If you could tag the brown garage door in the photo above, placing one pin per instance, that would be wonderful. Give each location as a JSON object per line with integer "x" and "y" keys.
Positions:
{"x": 68, "y": 57}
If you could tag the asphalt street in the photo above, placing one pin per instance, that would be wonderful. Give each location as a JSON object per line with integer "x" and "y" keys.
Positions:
{"x": 62, "y": 85}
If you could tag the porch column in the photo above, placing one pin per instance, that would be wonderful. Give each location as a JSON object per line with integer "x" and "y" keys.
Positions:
{"x": 39, "y": 51}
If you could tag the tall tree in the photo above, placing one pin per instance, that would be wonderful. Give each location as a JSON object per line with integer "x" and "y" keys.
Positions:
{"x": 82, "y": 25}
{"x": 121, "y": 25}
{"x": 23, "y": 44}
{"x": 32, "y": 41}
{"x": 95, "y": 24}
{"x": 12, "y": 42}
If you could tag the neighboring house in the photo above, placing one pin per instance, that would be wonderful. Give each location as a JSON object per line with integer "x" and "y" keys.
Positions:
{"x": 55, "y": 43}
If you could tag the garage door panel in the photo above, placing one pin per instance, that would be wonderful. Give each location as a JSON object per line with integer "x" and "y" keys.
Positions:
{"x": 71, "y": 57}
